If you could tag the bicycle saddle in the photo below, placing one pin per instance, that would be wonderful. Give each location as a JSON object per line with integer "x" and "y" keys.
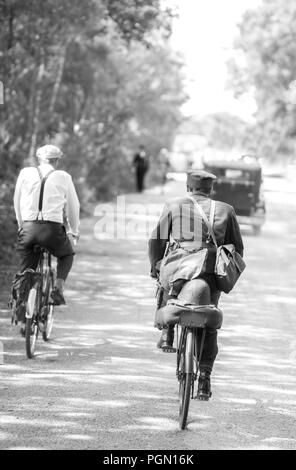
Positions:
{"x": 198, "y": 316}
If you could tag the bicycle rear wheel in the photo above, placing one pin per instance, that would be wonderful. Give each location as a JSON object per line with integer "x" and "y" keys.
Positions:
{"x": 48, "y": 318}
{"x": 32, "y": 329}
{"x": 31, "y": 336}
{"x": 185, "y": 377}
{"x": 48, "y": 323}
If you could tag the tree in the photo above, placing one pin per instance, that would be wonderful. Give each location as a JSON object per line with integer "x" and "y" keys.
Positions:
{"x": 96, "y": 77}
{"x": 265, "y": 64}
{"x": 220, "y": 130}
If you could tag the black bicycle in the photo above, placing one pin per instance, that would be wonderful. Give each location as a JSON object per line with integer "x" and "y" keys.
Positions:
{"x": 39, "y": 308}
{"x": 190, "y": 348}
{"x": 191, "y": 318}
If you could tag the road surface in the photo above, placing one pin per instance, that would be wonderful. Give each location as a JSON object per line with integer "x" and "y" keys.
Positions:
{"x": 102, "y": 384}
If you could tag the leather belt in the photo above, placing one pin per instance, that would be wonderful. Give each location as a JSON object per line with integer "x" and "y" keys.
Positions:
{"x": 193, "y": 245}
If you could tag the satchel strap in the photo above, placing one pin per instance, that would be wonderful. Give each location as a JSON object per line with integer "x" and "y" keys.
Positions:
{"x": 43, "y": 181}
{"x": 212, "y": 213}
{"x": 205, "y": 219}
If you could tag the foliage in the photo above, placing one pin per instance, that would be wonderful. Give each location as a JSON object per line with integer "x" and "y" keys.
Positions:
{"x": 96, "y": 77}
{"x": 220, "y": 130}
{"x": 265, "y": 65}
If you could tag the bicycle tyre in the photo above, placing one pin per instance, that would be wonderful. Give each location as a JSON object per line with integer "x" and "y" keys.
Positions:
{"x": 32, "y": 328}
{"x": 184, "y": 394}
{"x": 48, "y": 324}
{"x": 185, "y": 385}
{"x": 31, "y": 336}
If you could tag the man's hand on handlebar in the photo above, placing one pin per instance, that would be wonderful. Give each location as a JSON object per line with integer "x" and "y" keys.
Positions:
{"x": 154, "y": 273}
{"x": 155, "y": 270}
{"x": 74, "y": 237}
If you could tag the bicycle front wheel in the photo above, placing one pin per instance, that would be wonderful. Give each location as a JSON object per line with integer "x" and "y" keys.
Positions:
{"x": 185, "y": 377}
{"x": 31, "y": 336}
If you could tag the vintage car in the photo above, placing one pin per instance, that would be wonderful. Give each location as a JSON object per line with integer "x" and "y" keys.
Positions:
{"x": 239, "y": 183}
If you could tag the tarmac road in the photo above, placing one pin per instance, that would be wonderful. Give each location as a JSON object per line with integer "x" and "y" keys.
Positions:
{"x": 102, "y": 384}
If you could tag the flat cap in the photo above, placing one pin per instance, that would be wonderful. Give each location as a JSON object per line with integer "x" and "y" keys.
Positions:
{"x": 200, "y": 179}
{"x": 49, "y": 152}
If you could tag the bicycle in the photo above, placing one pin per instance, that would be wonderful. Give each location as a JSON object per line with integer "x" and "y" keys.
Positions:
{"x": 39, "y": 309}
{"x": 189, "y": 351}
{"x": 189, "y": 317}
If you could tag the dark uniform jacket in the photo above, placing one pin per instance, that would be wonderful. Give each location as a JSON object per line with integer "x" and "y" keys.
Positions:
{"x": 181, "y": 222}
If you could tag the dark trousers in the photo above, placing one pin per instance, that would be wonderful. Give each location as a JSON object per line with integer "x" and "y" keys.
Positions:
{"x": 210, "y": 349}
{"x": 49, "y": 235}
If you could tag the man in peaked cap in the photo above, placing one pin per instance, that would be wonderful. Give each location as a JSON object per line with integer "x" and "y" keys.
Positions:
{"x": 200, "y": 179}
{"x": 182, "y": 224}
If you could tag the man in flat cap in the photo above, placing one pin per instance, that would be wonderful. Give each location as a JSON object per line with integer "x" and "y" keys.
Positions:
{"x": 43, "y": 197}
{"x": 183, "y": 226}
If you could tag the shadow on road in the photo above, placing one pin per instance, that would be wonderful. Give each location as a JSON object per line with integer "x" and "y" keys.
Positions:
{"x": 102, "y": 384}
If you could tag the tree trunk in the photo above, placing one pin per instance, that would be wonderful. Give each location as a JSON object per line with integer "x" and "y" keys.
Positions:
{"x": 58, "y": 79}
{"x": 10, "y": 28}
{"x": 36, "y": 112}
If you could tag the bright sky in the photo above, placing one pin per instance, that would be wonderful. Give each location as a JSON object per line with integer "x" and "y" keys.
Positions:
{"x": 204, "y": 34}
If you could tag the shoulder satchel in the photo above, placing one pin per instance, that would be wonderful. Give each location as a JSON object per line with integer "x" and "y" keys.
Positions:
{"x": 229, "y": 264}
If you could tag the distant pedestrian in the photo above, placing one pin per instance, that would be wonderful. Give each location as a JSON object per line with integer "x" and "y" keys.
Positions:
{"x": 141, "y": 165}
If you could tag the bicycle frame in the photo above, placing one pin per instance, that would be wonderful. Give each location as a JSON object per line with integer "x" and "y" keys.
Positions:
{"x": 39, "y": 310}
{"x": 188, "y": 359}
{"x": 46, "y": 269}
{"x": 44, "y": 260}
{"x": 190, "y": 334}
{"x": 189, "y": 352}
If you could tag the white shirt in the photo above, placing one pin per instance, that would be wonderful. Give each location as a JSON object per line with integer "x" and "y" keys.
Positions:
{"x": 59, "y": 197}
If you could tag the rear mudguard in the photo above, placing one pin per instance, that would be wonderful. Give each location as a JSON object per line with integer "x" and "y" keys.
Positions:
{"x": 31, "y": 302}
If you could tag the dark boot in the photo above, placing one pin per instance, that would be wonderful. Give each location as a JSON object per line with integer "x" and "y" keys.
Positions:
{"x": 166, "y": 340}
{"x": 204, "y": 386}
{"x": 57, "y": 297}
